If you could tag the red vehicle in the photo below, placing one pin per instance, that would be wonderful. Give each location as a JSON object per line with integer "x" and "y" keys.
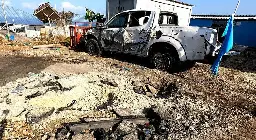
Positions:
{"x": 77, "y": 31}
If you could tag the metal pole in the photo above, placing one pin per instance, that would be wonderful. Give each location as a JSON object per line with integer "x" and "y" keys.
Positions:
{"x": 6, "y": 22}
{"x": 238, "y": 3}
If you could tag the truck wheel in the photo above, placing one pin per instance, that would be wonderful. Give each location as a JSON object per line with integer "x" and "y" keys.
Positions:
{"x": 163, "y": 61}
{"x": 92, "y": 47}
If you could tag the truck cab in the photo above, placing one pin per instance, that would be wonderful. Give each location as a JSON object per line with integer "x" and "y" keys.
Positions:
{"x": 156, "y": 35}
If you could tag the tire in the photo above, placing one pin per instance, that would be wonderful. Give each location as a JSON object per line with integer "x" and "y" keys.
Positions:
{"x": 164, "y": 61}
{"x": 92, "y": 47}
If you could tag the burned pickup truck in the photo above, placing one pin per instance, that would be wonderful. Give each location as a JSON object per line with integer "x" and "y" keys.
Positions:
{"x": 152, "y": 34}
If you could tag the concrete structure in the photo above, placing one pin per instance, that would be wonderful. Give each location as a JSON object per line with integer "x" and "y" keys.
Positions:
{"x": 244, "y": 27}
{"x": 184, "y": 10}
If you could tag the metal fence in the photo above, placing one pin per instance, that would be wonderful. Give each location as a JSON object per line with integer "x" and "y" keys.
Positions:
{"x": 16, "y": 16}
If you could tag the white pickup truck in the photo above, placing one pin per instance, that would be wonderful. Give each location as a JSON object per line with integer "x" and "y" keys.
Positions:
{"x": 156, "y": 35}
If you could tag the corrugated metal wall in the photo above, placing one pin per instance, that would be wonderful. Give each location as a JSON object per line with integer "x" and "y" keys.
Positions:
{"x": 245, "y": 34}
{"x": 244, "y": 30}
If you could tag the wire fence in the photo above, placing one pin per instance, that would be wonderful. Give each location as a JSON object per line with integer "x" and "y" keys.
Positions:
{"x": 16, "y": 16}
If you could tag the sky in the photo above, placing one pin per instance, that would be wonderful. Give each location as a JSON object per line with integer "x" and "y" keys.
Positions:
{"x": 78, "y": 6}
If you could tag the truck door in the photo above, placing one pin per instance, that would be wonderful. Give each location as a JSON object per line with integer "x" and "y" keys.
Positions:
{"x": 137, "y": 33}
{"x": 112, "y": 36}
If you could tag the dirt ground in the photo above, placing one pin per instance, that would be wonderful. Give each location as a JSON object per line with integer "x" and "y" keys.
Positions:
{"x": 14, "y": 67}
{"x": 231, "y": 93}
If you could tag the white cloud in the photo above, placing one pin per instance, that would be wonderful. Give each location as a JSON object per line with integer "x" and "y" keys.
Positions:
{"x": 7, "y": 2}
{"x": 29, "y": 5}
{"x": 69, "y": 6}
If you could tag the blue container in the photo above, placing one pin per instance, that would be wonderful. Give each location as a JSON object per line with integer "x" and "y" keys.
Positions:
{"x": 12, "y": 37}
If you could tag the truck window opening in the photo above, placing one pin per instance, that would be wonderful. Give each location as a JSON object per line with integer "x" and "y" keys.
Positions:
{"x": 119, "y": 21}
{"x": 168, "y": 19}
{"x": 139, "y": 18}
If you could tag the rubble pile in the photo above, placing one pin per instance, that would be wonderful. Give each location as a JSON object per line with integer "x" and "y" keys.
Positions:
{"x": 42, "y": 98}
{"x": 132, "y": 101}
{"x": 176, "y": 121}
{"x": 21, "y": 41}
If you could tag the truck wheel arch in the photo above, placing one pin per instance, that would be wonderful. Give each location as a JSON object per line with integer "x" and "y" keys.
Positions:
{"x": 169, "y": 43}
{"x": 89, "y": 36}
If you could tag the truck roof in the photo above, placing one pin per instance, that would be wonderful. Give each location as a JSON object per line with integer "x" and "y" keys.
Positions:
{"x": 134, "y": 10}
{"x": 176, "y": 1}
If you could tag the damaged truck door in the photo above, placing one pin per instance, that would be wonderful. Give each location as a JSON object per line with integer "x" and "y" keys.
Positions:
{"x": 112, "y": 36}
{"x": 137, "y": 33}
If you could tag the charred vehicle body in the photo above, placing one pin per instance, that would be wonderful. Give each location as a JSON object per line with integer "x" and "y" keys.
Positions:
{"x": 153, "y": 34}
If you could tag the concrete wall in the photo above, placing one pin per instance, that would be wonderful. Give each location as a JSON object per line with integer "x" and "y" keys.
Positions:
{"x": 244, "y": 30}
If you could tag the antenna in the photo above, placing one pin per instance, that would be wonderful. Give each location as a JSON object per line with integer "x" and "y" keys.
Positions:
{"x": 238, "y": 3}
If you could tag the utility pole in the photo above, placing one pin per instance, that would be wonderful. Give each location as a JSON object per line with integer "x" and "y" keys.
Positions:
{"x": 6, "y": 22}
{"x": 64, "y": 21}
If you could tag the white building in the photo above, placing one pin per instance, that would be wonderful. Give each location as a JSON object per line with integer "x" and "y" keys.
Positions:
{"x": 183, "y": 10}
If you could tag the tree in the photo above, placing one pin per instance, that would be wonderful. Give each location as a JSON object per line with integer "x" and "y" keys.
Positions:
{"x": 92, "y": 16}
{"x": 67, "y": 16}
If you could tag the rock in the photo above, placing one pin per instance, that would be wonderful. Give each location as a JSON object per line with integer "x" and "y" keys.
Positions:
{"x": 4, "y": 94}
{"x": 109, "y": 82}
{"x": 45, "y": 137}
{"x": 16, "y": 111}
{"x": 149, "y": 94}
{"x": 8, "y": 101}
{"x": 151, "y": 89}
{"x": 18, "y": 89}
{"x": 38, "y": 93}
{"x": 132, "y": 136}
{"x": 136, "y": 83}
{"x": 55, "y": 85}
{"x": 139, "y": 90}
{"x": 52, "y": 138}
{"x": 34, "y": 84}
{"x": 126, "y": 127}
{"x": 1, "y": 100}
{"x": 37, "y": 114}
{"x": 148, "y": 90}
{"x": 58, "y": 110}
{"x": 169, "y": 90}
{"x": 3, "y": 114}
{"x": 123, "y": 112}
{"x": 83, "y": 137}
{"x": 100, "y": 134}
